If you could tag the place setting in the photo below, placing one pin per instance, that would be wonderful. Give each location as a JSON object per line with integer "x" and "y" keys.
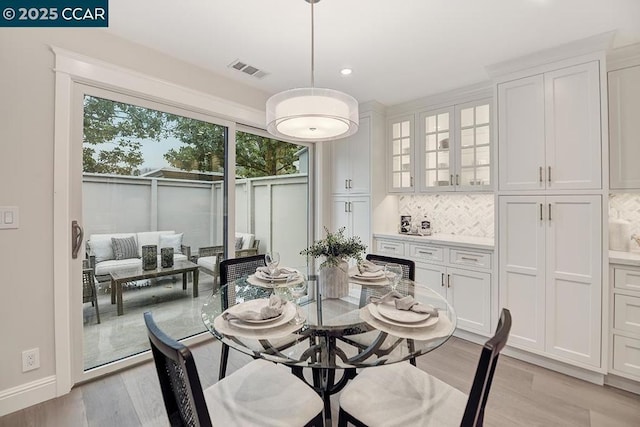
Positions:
{"x": 272, "y": 276}
{"x": 263, "y": 318}
{"x": 403, "y": 316}
{"x": 369, "y": 274}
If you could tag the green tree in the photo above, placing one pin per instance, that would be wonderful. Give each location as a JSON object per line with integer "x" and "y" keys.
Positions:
{"x": 121, "y": 124}
{"x": 260, "y": 156}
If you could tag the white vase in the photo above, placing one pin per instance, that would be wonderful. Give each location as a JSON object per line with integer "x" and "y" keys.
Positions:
{"x": 334, "y": 280}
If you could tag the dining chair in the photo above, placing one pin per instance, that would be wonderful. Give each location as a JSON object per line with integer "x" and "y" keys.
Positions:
{"x": 230, "y": 270}
{"x": 260, "y": 393}
{"x": 401, "y": 394}
{"x": 89, "y": 291}
{"x": 363, "y": 341}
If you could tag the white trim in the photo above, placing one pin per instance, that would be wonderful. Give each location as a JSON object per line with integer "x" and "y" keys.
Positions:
{"x": 93, "y": 71}
{"x": 622, "y": 383}
{"x": 20, "y": 397}
{"x": 590, "y": 45}
{"x": 623, "y": 57}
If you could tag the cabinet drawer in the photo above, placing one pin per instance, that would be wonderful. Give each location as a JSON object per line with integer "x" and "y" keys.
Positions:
{"x": 626, "y": 355}
{"x": 469, "y": 258}
{"x": 426, "y": 253}
{"x": 627, "y": 313}
{"x": 626, "y": 279}
{"x": 390, "y": 248}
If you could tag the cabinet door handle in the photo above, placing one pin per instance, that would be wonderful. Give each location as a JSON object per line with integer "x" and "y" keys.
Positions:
{"x": 448, "y": 280}
{"x": 549, "y": 211}
{"x": 425, "y": 252}
{"x": 350, "y": 207}
{"x": 411, "y": 181}
{"x": 392, "y": 248}
{"x": 541, "y": 179}
{"x": 469, "y": 259}
{"x": 345, "y": 207}
{"x": 450, "y": 179}
{"x": 346, "y": 183}
{"x": 549, "y": 175}
{"x": 457, "y": 179}
{"x": 541, "y": 219}
{"x": 350, "y": 186}
{"x": 442, "y": 280}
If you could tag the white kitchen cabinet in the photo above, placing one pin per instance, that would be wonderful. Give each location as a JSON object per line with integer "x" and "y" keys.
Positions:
{"x": 549, "y": 130}
{"x": 353, "y": 213}
{"x": 454, "y": 152}
{"x": 625, "y": 326}
{"x": 467, "y": 289}
{"x": 350, "y": 160}
{"x": 401, "y": 155}
{"x": 550, "y": 273}
{"x": 624, "y": 128}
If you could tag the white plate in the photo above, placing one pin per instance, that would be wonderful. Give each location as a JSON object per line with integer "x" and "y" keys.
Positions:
{"x": 430, "y": 321}
{"x": 267, "y": 284}
{"x": 367, "y": 275}
{"x": 282, "y": 278}
{"x": 288, "y": 313}
{"x": 390, "y": 311}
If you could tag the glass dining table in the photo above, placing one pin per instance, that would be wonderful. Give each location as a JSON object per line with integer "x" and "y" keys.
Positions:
{"x": 330, "y": 336}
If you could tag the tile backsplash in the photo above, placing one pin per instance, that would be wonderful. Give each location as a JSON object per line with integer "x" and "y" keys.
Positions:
{"x": 461, "y": 214}
{"x": 626, "y": 206}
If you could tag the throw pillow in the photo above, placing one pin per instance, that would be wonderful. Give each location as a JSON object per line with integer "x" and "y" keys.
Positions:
{"x": 125, "y": 248}
{"x": 238, "y": 243}
{"x": 172, "y": 241}
{"x": 101, "y": 249}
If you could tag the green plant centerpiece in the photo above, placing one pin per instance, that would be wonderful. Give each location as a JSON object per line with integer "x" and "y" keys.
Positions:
{"x": 336, "y": 249}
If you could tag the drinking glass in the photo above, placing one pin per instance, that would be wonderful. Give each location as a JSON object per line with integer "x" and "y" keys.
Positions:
{"x": 272, "y": 259}
{"x": 297, "y": 285}
{"x": 394, "y": 274}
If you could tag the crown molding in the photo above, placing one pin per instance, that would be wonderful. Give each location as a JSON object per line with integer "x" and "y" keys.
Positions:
{"x": 623, "y": 57}
{"x": 598, "y": 43}
{"x": 372, "y": 106}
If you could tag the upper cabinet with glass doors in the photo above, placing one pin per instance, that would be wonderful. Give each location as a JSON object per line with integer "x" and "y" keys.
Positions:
{"x": 452, "y": 152}
{"x": 455, "y": 148}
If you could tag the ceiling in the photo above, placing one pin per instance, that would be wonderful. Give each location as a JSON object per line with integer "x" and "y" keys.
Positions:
{"x": 399, "y": 50}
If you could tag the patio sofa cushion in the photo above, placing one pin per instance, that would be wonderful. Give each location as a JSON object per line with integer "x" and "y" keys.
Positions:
{"x": 208, "y": 262}
{"x": 124, "y": 248}
{"x": 247, "y": 240}
{"x": 102, "y": 256}
{"x": 171, "y": 241}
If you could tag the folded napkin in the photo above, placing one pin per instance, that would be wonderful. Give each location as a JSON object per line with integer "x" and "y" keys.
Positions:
{"x": 368, "y": 267}
{"x": 279, "y": 272}
{"x": 405, "y": 303}
{"x": 271, "y": 310}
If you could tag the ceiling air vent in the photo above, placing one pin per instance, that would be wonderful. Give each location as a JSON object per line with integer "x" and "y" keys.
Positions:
{"x": 248, "y": 69}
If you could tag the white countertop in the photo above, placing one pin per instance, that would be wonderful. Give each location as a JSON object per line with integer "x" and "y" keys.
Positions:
{"x": 448, "y": 239}
{"x": 626, "y": 258}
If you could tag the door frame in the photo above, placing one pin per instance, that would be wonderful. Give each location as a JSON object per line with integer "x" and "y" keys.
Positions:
{"x": 71, "y": 69}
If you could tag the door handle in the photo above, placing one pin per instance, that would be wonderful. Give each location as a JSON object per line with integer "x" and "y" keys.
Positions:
{"x": 350, "y": 183}
{"x": 442, "y": 280}
{"x": 346, "y": 183}
{"x": 448, "y": 280}
{"x": 346, "y": 207}
{"x": 549, "y": 175}
{"x": 350, "y": 207}
{"x": 540, "y": 172}
{"x": 549, "y": 211}
{"x": 77, "y": 234}
{"x": 541, "y": 212}
{"x": 450, "y": 179}
{"x": 457, "y": 179}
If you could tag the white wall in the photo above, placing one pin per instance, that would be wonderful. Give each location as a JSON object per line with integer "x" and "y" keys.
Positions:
{"x": 26, "y": 178}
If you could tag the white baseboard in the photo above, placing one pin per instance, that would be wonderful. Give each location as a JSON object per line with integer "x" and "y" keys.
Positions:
{"x": 622, "y": 383}
{"x": 25, "y": 395}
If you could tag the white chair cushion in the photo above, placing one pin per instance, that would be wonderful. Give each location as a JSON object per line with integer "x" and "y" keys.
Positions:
{"x": 208, "y": 262}
{"x": 262, "y": 394}
{"x": 106, "y": 267}
{"x": 402, "y": 395}
{"x": 247, "y": 239}
{"x": 179, "y": 257}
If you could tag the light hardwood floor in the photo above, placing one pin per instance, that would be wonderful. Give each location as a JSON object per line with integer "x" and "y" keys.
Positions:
{"x": 522, "y": 394}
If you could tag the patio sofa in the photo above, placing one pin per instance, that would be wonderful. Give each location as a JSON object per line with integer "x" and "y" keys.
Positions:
{"x": 209, "y": 257}
{"x": 102, "y": 258}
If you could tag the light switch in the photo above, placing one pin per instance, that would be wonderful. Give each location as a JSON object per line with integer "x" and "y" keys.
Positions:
{"x": 8, "y": 217}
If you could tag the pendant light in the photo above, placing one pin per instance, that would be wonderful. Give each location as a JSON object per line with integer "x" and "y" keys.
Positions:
{"x": 312, "y": 114}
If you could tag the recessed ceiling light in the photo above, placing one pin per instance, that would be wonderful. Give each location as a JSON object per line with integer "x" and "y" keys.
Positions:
{"x": 346, "y": 71}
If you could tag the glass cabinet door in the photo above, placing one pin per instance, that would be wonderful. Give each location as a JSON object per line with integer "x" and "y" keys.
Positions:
{"x": 474, "y": 153}
{"x": 401, "y": 179}
{"x": 436, "y": 150}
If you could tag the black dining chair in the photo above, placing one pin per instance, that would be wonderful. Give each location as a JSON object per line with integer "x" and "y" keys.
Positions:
{"x": 230, "y": 270}
{"x": 401, "y": 394}
{"x": 260, "y": 393}
{"x": 363, "y": 341}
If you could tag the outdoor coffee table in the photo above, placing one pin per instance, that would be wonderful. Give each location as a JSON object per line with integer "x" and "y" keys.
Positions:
{"x": 129, "y": 275}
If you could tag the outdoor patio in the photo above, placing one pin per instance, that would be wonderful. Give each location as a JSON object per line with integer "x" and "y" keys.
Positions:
{"x": 116, "y": 337}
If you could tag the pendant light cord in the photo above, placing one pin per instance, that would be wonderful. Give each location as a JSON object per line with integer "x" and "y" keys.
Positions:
{"x": 313, "y": 82}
